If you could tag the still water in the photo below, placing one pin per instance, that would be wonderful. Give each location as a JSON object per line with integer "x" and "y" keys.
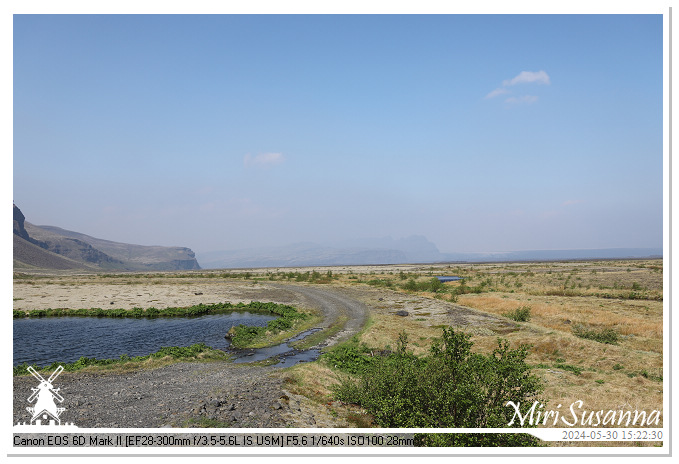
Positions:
{"x": 43, "y": 341}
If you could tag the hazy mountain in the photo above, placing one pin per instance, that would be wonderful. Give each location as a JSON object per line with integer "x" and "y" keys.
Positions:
{"x": 361, "y": 251}
{"x": 414, "y": 249}
{"x": 49, "y": 247}
{"x": 556, "y": 255}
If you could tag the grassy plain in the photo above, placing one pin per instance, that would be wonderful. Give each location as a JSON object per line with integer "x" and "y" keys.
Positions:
{"x": 563, "y": 301}
{"x": 618, "y": 304}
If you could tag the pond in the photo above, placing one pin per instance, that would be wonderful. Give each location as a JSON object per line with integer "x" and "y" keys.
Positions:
{"x": 42, "y": 341}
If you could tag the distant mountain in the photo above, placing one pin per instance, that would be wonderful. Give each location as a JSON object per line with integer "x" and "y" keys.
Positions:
{"x": 555, "y": 255}
{"x": 48, "y": 247}
{"x": 413, "y": 249}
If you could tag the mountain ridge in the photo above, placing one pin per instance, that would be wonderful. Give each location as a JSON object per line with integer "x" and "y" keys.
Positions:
{"x": 50, "y": 247}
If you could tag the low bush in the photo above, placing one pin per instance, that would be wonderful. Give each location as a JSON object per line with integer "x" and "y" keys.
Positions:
{"x": 450, "y": 387}
{"x": 521, "y": 314}
{"x": 350, "y": 357}
{"x": 433, "y": 285}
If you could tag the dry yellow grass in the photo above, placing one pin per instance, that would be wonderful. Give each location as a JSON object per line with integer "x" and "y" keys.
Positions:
{"x": 386, "y": 328}
{"x": 560, "y": 313}
{"x": 625, "y": 376}
{"x": 625, "y": 296}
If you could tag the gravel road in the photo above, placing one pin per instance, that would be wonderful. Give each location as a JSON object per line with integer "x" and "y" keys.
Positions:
{"x": 180, "y": 394}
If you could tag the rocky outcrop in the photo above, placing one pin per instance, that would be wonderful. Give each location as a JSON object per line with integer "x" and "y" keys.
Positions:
{"x": 19, "y": 220}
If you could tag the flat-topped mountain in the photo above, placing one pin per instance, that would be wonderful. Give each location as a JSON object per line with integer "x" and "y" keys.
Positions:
{"x": 49, "y": 247}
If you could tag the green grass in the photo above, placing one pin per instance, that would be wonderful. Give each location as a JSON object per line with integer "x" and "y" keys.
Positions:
{"x": 569, "y": 367}
{"x": 207, "y": 423}
{"x": 256, "y": 337}
{"x": 608, "y": 336}
{"x": 190, "y": 311}
{"x": 198, "y": 350}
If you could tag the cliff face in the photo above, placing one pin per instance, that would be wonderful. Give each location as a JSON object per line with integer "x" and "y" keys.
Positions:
{"x": 19, "y": 220}
{"x": 80, "y": 250}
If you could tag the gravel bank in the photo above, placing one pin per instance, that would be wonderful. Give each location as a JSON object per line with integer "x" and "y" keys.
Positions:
{"x": 178, "y": 395}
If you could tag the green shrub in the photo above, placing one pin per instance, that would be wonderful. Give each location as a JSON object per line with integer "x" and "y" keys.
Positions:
{"x": 521, "y": 314}
{"x": 380, "y": 283}
{"x": 410, "y": 285}
{"x": 433, "y": 285}
{"x": 450, "y": 387}
{"x": 350, "y": 357}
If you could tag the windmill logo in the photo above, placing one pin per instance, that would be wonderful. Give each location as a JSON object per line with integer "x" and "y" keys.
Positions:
{"x": 45, "y": 397}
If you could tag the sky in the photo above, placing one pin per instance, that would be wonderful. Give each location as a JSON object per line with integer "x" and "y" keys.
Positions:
{"x": 223, "y": 132}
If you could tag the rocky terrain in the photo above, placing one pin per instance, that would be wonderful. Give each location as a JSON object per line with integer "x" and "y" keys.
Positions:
{"x": 178, "y": 395}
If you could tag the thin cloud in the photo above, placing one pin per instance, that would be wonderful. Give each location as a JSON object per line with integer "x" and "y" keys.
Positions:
{"x": 527, "y": 77}
{"x": 263, "y": 160}
{"x": 524, "y": 77}
{"x": 496, "y": 92}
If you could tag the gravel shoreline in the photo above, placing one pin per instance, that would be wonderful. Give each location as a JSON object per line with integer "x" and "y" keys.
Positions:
{"x": 182, "y": 394}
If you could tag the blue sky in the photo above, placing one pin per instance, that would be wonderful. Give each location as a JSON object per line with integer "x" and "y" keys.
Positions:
{"x": 218, "y": 132}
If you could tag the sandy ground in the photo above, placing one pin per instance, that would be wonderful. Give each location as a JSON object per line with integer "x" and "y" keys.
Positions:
{"x": 76, "y": 294}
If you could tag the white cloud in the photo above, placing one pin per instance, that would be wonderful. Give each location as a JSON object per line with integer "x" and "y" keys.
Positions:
{"x": 527, "y": 77}
{"x": 263, "y": 159}
{"x": 496, "y": 92}
{"x": 524, "y": 77}
{"x": 524, "y": 99}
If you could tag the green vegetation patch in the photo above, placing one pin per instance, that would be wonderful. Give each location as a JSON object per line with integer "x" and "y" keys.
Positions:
{"x": 521, "y": 314}
{"x": 175, "y": 352}
{"x": 449, "y": 387}
{"x": 352, "y": 357}
{"x": 608, "y": 336}
{"x": 242, "y": 335}
{"x": 569, "y": 367}
{"x": 190, "y": 311}
{"x": 433, "y": 285}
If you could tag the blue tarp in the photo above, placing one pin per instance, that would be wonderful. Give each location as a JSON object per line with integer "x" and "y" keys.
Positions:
{"x": 448, "y": 278}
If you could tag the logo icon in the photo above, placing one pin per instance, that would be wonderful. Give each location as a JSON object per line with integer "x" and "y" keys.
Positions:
{"x": 44, "y": 395}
